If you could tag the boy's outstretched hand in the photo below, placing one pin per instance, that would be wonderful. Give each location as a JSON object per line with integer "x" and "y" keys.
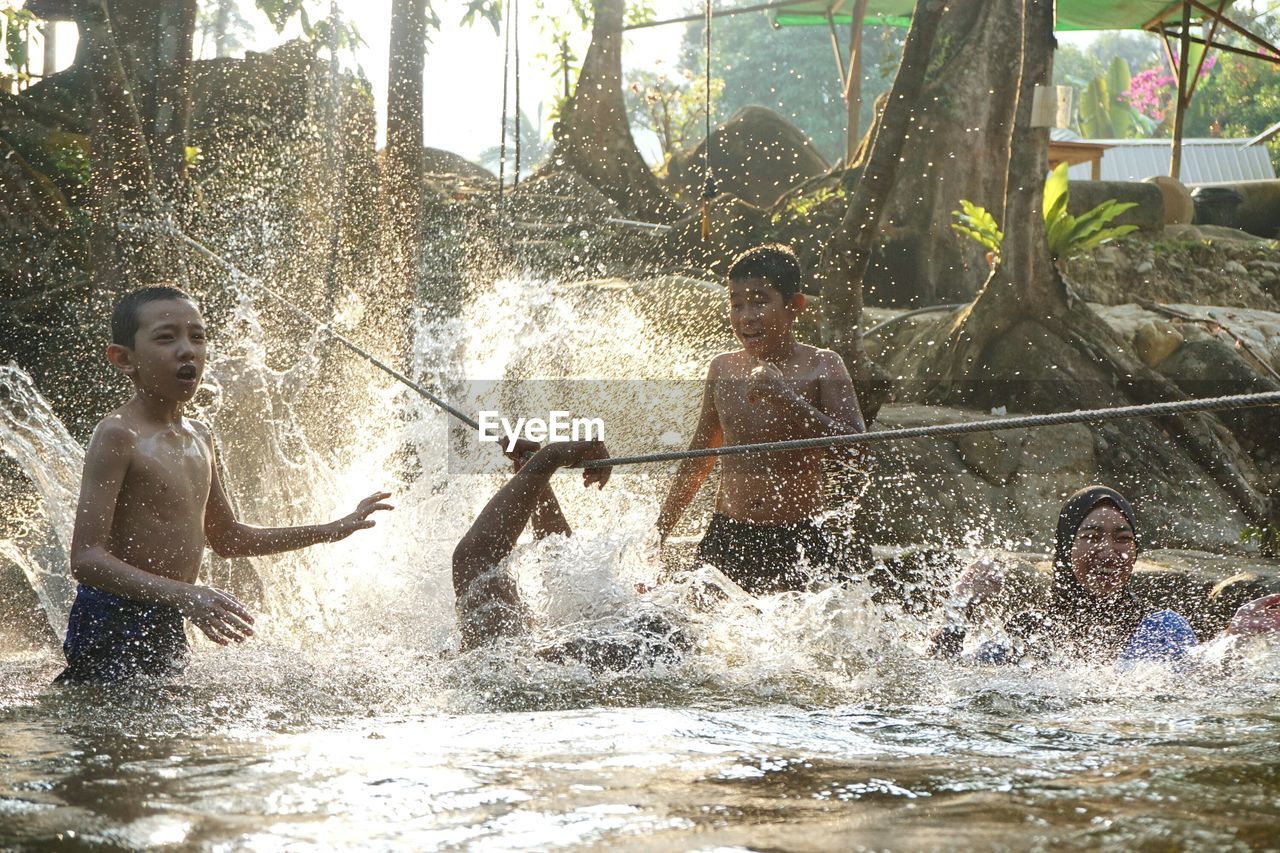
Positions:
{"x": 359, "y": 520}
{"x": 219, "y": 615}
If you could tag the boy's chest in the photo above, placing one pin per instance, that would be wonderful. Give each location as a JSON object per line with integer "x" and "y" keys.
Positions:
{"x": 743, "y": 402}
{"x": 170, "y": 469}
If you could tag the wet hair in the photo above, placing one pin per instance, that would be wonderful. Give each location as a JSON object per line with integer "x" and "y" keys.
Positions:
{"x": 773, "y": 263}
{"x": 1082, "y": 614}
{"x": 124, "y": 319}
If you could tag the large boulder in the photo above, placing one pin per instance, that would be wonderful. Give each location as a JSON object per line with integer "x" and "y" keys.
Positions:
{"x": 1148, "y": 214}
{"x": 1259, "y": 211}
{"x": 1179, "y": 209}
{"x": 437, "y": 161}
{"x": 757, "y": 156}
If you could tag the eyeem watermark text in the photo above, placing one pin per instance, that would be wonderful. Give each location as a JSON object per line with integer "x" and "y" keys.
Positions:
{"x": 558, "y": 426}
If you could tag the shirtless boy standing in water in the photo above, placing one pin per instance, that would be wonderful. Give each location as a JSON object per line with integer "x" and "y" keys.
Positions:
{"x": 774, "y": 388}
{"x": 149, "y": 500}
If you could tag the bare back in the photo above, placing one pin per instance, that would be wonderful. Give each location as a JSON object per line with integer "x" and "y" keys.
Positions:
{"x": 158, "y": 522}
{"x": 774, "y": 488}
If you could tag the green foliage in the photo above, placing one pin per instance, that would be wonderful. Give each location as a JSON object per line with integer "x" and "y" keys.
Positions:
{"x": 1105, "y": 112}
{"x": 487, "y": 10}
{"x": 279, "y": 12}
{"x": 792, "y": 72}
{"x": 1266, "y": 538}
{"x": 801, "y": 206}
{"x": 16, "y": 24}
{"x": 1068, "y": 235}
{"x": 639, "y": 12}
{"x": 671, "y": 106}
{"x": 1076, "y": 65}
{"x": 979, "y": 225}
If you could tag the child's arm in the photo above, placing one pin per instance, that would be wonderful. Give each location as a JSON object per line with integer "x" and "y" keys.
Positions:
{"x": 548, "y": 519}
{"x": 220, "y": 616}
{"x": 231, "y": 538}
{"x": 493, "y": 534}
{"x": 693, "y": 472}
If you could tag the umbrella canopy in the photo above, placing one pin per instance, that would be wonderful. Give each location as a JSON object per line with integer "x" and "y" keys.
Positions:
{"x": 1072, "y": 14}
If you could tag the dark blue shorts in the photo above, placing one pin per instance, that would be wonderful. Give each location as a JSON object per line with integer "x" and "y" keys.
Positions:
{"x": 763, "y": 558}
{"x": 110, "y": 638}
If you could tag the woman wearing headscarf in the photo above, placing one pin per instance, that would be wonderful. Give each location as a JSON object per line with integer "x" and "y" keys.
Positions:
{"x": 1091, "y": 611}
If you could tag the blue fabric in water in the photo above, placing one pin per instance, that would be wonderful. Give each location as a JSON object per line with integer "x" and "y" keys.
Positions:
{"x": 110, "y": 638}
{"x": 1163, "y": 635}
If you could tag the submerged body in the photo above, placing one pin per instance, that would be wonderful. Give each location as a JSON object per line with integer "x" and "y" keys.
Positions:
{"x": 1091, "y": 612}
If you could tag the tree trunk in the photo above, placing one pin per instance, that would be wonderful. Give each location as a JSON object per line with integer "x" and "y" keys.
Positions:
{"x": 222, "y": 23}
{"x": 853, "y": 82}
{"x": 961, "y": 143}
{"x": 593, "y": 137}
{"x": 402, "y": 161}
{"x": 124, "y": 183}
{"x": 851, "y": 249}
{"x": 997, "y": 349}
{"x": 155, "y": 39}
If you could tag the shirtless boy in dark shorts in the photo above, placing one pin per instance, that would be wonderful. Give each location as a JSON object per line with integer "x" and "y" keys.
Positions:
{"x": 775, "y": 388}
{"x": 149, "y": 500}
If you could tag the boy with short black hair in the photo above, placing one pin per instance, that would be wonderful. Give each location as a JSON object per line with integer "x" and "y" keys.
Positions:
{"x": 764, "y": 530}
{"x": 150, "y": 498}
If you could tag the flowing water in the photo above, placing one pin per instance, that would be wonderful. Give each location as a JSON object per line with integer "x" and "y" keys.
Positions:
{"x": 351, "y": 721}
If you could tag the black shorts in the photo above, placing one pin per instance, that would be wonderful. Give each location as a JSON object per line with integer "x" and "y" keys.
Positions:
{"x": 768, "y": 558}
{"x": 110, "y": 638}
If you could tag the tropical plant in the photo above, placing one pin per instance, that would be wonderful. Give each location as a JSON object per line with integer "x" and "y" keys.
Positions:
{"x": 978, "y": 225}
{"x": 1105, "y": 111}
{"x": 1068, "y": 235}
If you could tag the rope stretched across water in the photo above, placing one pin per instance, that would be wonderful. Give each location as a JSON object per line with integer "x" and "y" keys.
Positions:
{"x": 204, "y": 251}
{"x": 1177, "y": 407}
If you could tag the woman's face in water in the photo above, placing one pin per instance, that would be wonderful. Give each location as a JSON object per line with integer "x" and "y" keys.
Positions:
{"x": 1104, "y": 552}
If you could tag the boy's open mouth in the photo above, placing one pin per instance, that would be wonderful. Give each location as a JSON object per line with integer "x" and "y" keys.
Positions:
{"x": 188, "y": 372}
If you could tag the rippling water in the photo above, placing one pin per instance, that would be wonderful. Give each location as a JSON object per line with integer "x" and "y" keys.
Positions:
{"x": 792, "y": 723}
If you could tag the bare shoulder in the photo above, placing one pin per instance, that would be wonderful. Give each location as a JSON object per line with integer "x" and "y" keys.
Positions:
{"x": 114, "y": 433}
{"x": 727, "y": 364}
{"x": 830, "y": 361}
{"x": 202, "y": 431}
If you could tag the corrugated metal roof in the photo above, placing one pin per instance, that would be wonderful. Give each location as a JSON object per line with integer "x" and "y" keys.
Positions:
{"x": 1203, "y": 160}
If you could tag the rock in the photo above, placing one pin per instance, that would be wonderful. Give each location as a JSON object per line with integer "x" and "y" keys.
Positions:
{"x": 437, "y": 161}
{"x": 1155, "y": 341}
{"x": 757, "y": 156}
{"x": 994, "y": 455}
{"x": 1144, "y": 267}
{"x": 1215, "y": 233}
{"x": 1109, "y": 255}
{"x": 735, "y": 227}
{"x": 1148, "y": 215}
{"x": 1179, "y": 209}
{"x": 1235, "y": 268}
{"x": 1259, "y": 209}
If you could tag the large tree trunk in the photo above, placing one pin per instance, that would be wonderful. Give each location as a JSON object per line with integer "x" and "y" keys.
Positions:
{"x": 593, "y": 137}
{"x": 402, "y": 161}
{"x": 124, "y": 188}
{"x": 851, "y": 249}
{"x": 1027, "y": 343}
{"x": 959, "y": 147}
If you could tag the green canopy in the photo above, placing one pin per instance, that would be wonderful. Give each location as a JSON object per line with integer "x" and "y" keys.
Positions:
{"x": 1072, "y": 14}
